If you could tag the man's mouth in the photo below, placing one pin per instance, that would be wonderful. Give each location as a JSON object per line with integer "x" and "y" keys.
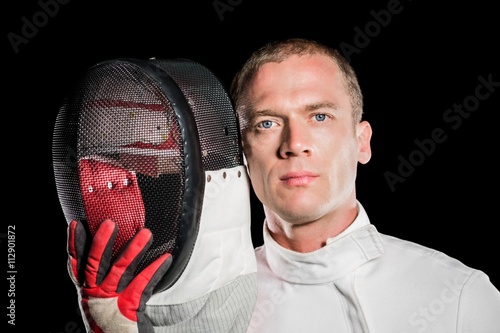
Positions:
{"x": 300, "y": 178}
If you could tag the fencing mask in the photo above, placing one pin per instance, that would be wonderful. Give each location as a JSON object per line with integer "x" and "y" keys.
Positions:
{"x": 155, "y": 143}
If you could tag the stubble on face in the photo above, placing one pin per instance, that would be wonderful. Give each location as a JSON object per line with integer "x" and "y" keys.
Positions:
{"x": 284, "y": 91}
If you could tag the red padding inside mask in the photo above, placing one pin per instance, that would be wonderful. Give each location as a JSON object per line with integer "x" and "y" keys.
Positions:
{"x": 111, "y": 192}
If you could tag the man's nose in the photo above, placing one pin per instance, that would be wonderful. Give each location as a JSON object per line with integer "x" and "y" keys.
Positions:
{"x": 296, "y": 140}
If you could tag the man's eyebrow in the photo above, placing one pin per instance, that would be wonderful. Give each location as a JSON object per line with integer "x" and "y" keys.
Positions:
{"x": 264, "y": 112}
{"x": 321, "y": 105}
{"x": 261, "y": 113}
{"x": 310, "y": 107}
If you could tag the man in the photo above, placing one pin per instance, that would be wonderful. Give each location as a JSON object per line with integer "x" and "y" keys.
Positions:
{"x": 323, "y": 266}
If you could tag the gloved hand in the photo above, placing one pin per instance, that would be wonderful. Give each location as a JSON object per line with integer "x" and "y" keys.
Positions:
{"x": 111, "y": 298}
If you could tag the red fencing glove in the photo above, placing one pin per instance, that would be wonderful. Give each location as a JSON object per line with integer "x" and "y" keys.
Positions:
{"x": 112, "y": 298}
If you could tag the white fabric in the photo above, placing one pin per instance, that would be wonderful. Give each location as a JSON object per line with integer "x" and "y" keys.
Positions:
{"x": 225, "y": 310}
{"x": 223, "y": 249}
{"x": 108, "y": 317}
{"x": 364, "y": 281}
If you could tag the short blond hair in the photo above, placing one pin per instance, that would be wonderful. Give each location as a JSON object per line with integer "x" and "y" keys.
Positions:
{"x": 278, "y": 51}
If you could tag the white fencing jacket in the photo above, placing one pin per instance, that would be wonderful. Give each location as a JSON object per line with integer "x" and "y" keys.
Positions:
{"x": 363, "y": 281}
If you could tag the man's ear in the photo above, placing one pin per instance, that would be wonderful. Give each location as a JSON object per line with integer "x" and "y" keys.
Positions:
{"x": 364, "y": 134}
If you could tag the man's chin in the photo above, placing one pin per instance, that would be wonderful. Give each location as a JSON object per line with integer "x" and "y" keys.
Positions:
{"x": 298, "y": 214}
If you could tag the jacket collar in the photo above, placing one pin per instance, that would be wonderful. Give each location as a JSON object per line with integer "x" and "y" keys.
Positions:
{"x": 355, "y": 246}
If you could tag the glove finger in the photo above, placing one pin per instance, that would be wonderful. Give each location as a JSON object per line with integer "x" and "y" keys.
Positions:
{"x": 133, "y": 299}
{"x": 76, "y": 246}
{"x": 147, "y": 279}
{"x": 123, "y": 269}
{"x": 100, "y": 254}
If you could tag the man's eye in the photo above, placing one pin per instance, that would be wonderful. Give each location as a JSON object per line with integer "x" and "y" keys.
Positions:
{"x": 320, "y": 117}
{"x": 265, "y": 124}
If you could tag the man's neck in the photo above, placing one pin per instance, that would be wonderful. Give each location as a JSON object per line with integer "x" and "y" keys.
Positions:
{"x": 310, "y": 236}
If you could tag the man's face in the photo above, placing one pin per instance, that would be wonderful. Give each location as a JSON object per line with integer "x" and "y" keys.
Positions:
{"x": 301, "y": 144}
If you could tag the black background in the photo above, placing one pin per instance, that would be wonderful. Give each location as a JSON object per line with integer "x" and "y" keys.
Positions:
{"x": 412, "y": 68}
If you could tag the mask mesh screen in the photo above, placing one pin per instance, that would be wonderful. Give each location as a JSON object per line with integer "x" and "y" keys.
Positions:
{"x": 119, "y": 150}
